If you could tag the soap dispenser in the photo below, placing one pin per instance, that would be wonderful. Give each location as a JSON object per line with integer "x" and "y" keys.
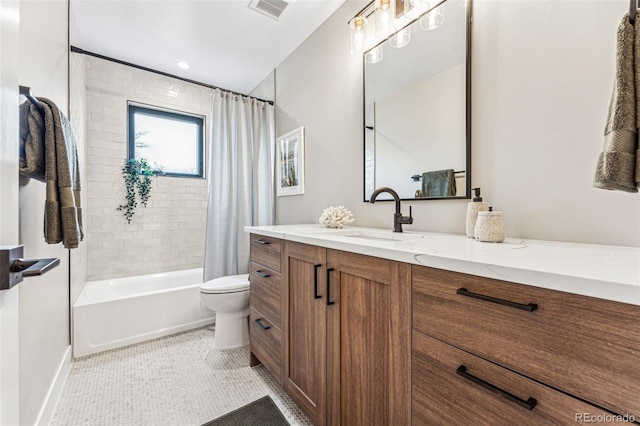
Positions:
{"x": 473, "y": 208}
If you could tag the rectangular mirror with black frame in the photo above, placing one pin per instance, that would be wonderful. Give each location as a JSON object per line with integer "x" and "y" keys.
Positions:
{"x": 417, "y": 106}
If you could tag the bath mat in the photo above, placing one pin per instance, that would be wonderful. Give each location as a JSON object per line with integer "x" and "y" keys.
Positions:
{"x": 261, "y": 412}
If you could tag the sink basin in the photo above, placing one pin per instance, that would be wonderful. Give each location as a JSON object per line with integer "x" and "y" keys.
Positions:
{"x": 369, "y": 234}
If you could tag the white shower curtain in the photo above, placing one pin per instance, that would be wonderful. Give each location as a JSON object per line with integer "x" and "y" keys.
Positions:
{"x": 240, "y": 170}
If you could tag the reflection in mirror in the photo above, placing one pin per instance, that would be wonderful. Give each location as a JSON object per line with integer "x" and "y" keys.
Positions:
{"x": 416, "y": 110}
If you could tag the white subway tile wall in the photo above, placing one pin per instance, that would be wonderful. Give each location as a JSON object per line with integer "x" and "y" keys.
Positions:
{"x": 169, "y": 233}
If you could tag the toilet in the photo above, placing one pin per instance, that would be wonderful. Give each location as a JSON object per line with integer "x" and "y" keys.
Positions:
{"x": 228, "y": 297}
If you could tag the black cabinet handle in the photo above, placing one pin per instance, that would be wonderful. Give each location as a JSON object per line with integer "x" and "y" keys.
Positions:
{"x": 262, "y": 274}
{"x": 329, "y": 301}
{"x": 262, "y": 326}
{"x": 315, "y": 281}
{"x": 262, "y": 242}
{"x": 528, "y": 404}
{"x": 530, "y": 307}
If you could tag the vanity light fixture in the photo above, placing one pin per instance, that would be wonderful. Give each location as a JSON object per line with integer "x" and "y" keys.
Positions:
{"x": 383, "y": 22}
{"x": 183, "y": 65}
{"x": 384, "y": 15}
{"x": 357, "y": 32}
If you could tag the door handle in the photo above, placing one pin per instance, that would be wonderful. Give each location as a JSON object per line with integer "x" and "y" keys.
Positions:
{"x": 329, "y": 301}
{"x": 34, "y": 267}
{"x": 13, "y": 268}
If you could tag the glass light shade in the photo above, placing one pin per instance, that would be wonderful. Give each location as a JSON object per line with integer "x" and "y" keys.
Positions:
{"x": 415, "y": 8}
{"x": 356, "y": 31}
{"x": 401, "y": 38}
{"x": 374, "y": 55}
{"x": 384, "y": 17}
{"x": 432, "y": 20}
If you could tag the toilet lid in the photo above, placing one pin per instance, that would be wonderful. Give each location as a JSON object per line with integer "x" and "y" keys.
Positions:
{"x": 228, "y": 284}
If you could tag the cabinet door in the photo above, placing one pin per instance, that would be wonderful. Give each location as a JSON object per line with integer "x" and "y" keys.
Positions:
{"x": 368, "y": 346}
{"x": 305, "y": 328}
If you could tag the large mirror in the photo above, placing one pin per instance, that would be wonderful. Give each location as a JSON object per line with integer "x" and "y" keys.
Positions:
{"x": 417, "y": 109}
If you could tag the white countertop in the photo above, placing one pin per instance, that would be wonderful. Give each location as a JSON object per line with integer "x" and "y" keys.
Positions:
{"x": 605, "y": 272}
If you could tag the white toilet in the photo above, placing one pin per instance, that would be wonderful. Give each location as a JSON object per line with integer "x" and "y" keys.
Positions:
{"x": 228, "y": 297}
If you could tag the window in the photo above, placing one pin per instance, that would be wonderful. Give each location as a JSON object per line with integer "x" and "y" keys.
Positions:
{"x": 171, "y": 142}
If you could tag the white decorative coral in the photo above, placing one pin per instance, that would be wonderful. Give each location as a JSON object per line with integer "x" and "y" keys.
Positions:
{"x": 336, "y": 217}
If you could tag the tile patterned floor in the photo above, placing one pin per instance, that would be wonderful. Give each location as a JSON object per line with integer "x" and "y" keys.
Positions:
{"x": 177, "y": 380}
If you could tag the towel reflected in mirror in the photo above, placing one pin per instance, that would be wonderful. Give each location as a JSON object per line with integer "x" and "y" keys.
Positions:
{"x": 439, "y": 183}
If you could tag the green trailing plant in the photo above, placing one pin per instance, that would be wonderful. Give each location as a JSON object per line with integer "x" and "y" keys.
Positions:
{"x": 138, "y": 175}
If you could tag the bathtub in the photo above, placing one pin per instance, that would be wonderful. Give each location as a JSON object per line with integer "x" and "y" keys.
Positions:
{"x": 119, "y": 312}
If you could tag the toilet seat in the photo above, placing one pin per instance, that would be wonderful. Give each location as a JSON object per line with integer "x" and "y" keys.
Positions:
{"x": 228, "y": 284}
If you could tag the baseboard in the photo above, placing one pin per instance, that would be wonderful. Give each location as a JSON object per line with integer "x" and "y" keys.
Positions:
{"x": 50, "y": 402}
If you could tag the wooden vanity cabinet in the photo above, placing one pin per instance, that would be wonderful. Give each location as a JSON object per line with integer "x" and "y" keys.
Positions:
{"x": 347, "y": 352}
{"x": 358, "y": 340}
{"x": 305, "y": 331}
{"x": 583, "y": 347}
{"x": 266, "y": 313}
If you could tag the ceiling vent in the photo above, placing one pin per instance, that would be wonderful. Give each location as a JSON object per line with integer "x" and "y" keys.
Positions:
{"x": 271, "y": 8}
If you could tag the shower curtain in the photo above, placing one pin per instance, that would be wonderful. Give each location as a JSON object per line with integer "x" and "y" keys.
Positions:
{"x": 240, "y": 170}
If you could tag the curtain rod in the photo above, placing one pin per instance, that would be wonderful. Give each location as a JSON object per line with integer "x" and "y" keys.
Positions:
{"x": 166, "y": 74}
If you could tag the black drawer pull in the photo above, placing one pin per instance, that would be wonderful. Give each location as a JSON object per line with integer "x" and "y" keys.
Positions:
{"x": 528, "y": 404}
{"x": 262, "y": 326}
{"x": 329, "y": 301}
{"x": 530, "y": 307}
{"x": 262, "y": 242}
{"x": 315, "y": 281}
{"x": 262, "y": 274}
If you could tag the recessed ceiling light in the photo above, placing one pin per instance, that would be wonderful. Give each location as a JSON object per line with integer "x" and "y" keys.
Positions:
{"x": 183, "y": 64}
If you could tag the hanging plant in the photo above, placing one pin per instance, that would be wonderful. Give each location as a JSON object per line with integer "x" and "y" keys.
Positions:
{"x": 137, "y": 174}
{"x": 144, "y": 181}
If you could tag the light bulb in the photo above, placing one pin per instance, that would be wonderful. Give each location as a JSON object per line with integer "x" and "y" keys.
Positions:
{"x": 356, "y": 26}
{"x": 384, "y": 18}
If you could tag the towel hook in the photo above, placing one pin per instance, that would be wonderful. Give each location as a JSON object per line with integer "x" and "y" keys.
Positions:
{"x": 26, "y": 91}
{"x": 633, "y": 10}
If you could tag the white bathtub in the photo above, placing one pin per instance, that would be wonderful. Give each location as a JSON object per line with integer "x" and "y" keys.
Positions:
{"x": 119, "y": 312}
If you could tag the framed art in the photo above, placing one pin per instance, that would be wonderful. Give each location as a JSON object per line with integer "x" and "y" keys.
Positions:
{"x": 290, "y": 166}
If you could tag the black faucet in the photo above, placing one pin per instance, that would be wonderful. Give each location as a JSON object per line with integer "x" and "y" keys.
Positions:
{"x": 398, "y": 219}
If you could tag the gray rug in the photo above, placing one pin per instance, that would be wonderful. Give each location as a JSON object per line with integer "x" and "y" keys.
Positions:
{"x": 261, "y": 412}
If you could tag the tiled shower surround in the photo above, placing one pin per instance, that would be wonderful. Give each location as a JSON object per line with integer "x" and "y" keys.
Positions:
{"x": 168, "y": 234}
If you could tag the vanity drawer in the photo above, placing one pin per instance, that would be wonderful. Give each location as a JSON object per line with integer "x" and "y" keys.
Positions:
{"x": 584, "y": 346}
{"x": 451, "y": 386}
{"x": 266, "y": 343}
{"x": 265, "y": 292}
{"x": 266, "y": 251}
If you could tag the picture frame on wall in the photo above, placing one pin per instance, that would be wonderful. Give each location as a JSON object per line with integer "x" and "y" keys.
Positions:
{"x": 290, "y": 164}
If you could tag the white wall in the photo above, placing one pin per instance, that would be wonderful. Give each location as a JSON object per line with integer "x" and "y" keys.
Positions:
{"x": 44, "y": 301}
{"x": 266, "y": 89}
{"x": 541, "y": 86}
{"x": 9, "y": 299}
{"x": 168, "y": 234}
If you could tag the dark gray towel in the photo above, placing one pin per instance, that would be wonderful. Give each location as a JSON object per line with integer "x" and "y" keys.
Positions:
{"x": 48, "y": 153}
{"x": 618, "y": 162}
{"x": 439, "y": 183}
